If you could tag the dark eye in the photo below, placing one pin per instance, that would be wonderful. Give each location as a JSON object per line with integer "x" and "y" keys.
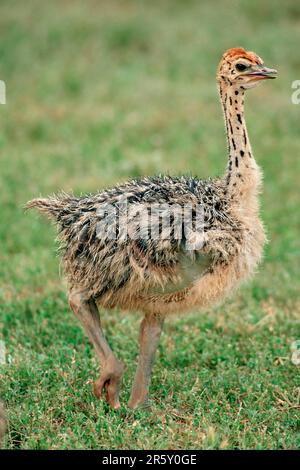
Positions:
{"x": 241, "y": 67}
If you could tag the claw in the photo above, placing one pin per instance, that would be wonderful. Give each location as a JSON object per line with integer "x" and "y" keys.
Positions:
{"x": 109, "y": 385}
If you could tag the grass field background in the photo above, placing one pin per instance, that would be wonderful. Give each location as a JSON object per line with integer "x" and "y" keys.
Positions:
{"x": 101, "y": 91}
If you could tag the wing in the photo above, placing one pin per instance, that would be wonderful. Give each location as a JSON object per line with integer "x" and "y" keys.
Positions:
{"x": 190, "y": 268}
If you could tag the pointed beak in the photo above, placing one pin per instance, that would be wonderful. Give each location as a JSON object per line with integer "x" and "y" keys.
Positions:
{"x": 261, "y": 72}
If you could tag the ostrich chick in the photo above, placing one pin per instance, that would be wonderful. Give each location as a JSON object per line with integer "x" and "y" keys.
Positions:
{"x": 180, "y": 268}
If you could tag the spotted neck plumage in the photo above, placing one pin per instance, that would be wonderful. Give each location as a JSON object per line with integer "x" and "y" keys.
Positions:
{"x": 243, "y": 174}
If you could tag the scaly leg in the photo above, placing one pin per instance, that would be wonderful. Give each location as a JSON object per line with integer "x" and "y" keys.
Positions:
{"x": 86, "y": 311}
{"x": 150, "y": 331}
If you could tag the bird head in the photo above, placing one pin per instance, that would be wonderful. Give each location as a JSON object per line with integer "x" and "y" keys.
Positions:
{"x": 243, "y": 69}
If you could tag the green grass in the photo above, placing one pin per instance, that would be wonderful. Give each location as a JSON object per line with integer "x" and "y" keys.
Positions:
{"x": 98, "y": 92}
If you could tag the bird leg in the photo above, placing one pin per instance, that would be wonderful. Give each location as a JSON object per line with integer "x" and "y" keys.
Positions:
{"x": 86, "y": 311}
{"x": 150, "y": 331}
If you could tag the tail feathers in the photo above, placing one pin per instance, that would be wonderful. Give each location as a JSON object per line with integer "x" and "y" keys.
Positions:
{"x": 52, "y": 207}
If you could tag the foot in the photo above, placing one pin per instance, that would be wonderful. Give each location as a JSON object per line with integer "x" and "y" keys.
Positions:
{"x": 108, "y": 384}
{"x": 142, "y": 403}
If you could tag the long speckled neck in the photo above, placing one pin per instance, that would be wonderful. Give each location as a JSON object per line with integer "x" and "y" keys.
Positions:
{"x": 242, "y": 174}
